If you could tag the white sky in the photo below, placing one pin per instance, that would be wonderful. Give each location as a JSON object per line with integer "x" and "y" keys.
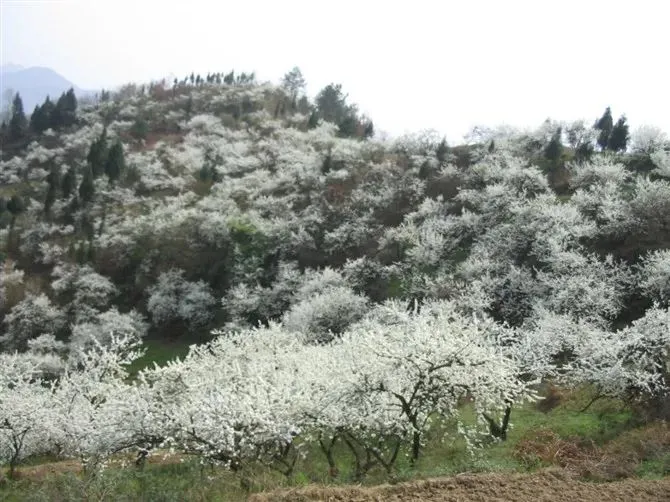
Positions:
{"x": 446, "y": 65}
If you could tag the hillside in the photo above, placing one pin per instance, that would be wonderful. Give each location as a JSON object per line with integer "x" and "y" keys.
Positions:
{"x": 321, "y": 292}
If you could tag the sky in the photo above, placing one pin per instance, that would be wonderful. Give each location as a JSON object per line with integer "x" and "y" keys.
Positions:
{"x": 410, "y": 65}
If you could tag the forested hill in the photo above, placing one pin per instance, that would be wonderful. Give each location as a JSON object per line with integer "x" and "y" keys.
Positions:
{"x": 217, "y": 202}
{"x": 364, "y": 300}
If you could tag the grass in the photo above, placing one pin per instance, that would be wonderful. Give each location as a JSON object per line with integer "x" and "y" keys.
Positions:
{"x": 160, "y": 352}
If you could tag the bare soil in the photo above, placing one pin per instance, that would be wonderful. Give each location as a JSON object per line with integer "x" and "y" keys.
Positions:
{"x": 550, "y": 485}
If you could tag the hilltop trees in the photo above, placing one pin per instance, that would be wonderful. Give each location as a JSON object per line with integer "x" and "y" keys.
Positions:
{"x": 611, "y": 136}
{"x": 42, "y": 117}
{"x": 618, "y": 140}
{"x": 331, "y": 105}
{"x": 604, "y": 125}
{"x": 294, "y": 83}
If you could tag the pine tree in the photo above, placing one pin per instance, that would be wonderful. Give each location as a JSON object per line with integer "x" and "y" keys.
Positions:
{"x": 618, "y": 140}
{"x": 40, "y": 120}
{"x": 97, "y": 154}
{"x": 50, "y": 198}
{"x": 65, "y": 112}
{"x": 68, "y": 183}
{"x": 15, "y": 206}
{"x": 115, "y": 163}
{"x": 18, "y": 123}
{"x": 53, "y": 180}
{"x": 554, "y": 149}
{"x": 139, "y": 129}
{"x": 87, "y": 188}
{"x": 442, "y": 151}
{"x": 313, "y": 120}
{"x": 294, "y": 83}
{"x": 369, "y": 130}
{"x": 604, "y": 125}
{"x": 189, "y": 106}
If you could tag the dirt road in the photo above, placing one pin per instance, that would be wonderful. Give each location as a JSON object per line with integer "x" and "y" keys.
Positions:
{"x": 554, "y": 486}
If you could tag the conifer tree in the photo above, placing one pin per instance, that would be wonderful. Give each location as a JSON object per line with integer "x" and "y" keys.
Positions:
{"x": 18, "y": 123}
{"x": 554, "y": 149}
{"x": 604, "y": 125}
{"x": 41, "y": 118}
{"x": 115, "y": 163}
{"x": 97, "y": 154}
{"x": 68, "y": 183}
{"x": 65, "y": 112}
{"x": 442, "y": 151}
{"x": 294, "y": 83}
{"x": 87, "y": 188}
{"x": 53, "y": 180}
{"x": 618, "y": 139}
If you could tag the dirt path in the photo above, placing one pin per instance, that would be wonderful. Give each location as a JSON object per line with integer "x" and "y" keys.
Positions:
{"x": 554, "y": 486}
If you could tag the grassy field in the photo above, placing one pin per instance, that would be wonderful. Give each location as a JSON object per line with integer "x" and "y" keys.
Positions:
{"x": 603, "y": 443}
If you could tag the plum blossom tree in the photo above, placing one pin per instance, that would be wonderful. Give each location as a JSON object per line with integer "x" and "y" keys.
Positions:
{"x": 174, "y": 298}
{"x": 35, "y": 315}
{"x": 26, "y": 414}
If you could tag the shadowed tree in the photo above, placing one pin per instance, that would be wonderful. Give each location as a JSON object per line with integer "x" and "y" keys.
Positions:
{"x": 18, "y": 123}
{"x": 618, "y": 140}
{"x": 604, "y": 125}
{"x": 115, "y": 163}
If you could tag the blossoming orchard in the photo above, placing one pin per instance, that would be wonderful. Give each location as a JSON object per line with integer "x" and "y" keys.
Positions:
{"x": 336, "y": 291}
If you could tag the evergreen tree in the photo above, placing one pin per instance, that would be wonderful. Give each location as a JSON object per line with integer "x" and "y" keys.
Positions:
{"x": 139, "y": 129}
{"x": 618, "y": 140}
{"x": 348, "y": 127}
{"x": 87, "y": 188}
{"x": 15, "y": 206}
{"x": 369, "y": 130}
{"x": 50, "y": 198}
{"x": 65, "y": 112}
{"x": 554, "y": 148}
{"x": 68, "y": 183}
{"x": 115, "y": 163}
{"x": 41, "y": 118}
{"x": 604, "y": 125}
{"x": 294, "y": 83}
{"x": 313, "y": 120}
{"x": 18, "y": 123}
{"x": 97, "y": 154}
{"x": 584, "y": 152}
{"x": 189, "y": 107}
{"x": 331, "y": 103}
{"x": 442, "y": 151}
{"x": 229, "y": 79}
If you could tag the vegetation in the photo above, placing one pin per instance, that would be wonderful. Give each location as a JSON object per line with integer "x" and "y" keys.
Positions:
{"x": 323, "y": 305}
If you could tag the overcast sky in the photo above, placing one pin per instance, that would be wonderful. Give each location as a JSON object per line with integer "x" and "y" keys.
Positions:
{"x": 410, "y": 65}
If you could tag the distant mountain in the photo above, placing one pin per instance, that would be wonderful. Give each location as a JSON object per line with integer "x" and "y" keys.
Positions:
{"x": 35, "y": 84}
{"x": 9, "y": 68}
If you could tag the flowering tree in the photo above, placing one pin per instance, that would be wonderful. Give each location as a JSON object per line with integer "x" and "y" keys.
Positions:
{"x": 174, "y": 298}
{"x": 26, "y": 413}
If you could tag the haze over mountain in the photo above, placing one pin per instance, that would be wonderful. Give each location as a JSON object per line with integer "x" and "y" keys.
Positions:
{"x": 34, "y": 84}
